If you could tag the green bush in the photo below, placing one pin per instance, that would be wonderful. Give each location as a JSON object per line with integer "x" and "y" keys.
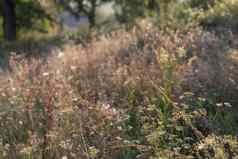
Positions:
{"x": 222, "y": 13}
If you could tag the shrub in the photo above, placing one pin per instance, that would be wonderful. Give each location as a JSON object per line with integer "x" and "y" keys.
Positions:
{"x": 220, "y": 14}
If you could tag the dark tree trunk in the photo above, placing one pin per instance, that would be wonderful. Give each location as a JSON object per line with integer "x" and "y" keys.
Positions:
{"x": 9, "y": 19}
{"x": 92, "y": 14}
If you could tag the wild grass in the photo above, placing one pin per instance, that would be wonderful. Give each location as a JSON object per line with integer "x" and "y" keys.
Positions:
{"x": 143, "y": 93}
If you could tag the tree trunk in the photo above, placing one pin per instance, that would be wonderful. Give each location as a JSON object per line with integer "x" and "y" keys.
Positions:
{"x": 9, "y": 19}
{"x": 92, "y": 14}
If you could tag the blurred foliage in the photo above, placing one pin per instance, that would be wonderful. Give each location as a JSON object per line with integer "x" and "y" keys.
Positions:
{"x": 214, "y": 13}
{"x": 33, "y": 16}
{"x": 222, "y": 14}
{"x": 41, "y": 16}
{"x": 80, "y": 8}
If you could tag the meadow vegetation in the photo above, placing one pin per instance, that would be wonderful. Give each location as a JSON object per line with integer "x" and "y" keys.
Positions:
{"x": 149, "y": 91}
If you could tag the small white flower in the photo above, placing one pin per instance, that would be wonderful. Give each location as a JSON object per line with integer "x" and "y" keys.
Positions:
{"x": 6, "y": 146}
{"x": 45, "y": 74}
{"x": 26, "y": 150}
{"x": 58, "y": 72}
{"x": 118, "y": 138}
{"x": 201, "y": 146}
{"x": 119, "y": 128}
{"x": 3, "y": 94}
{"x": 201, "y": 99}
{"x": 106, "y": 106}
{"x": 181, "y": 97}
{"x": 61, "y": 54}
{"x": 12, "y": 102}
{"x": 73, "y": 154}
{"x": 13, "y": 89}
{"x": 75, "y": 99}
{"x": 219, "y": 104}
{"x": 126, "y": 141}
{"x": 228, "y": 104}
{"x": 64, "y": 157}
{"x": 4, "y": 154}
{"x": 73, "y": 67}
{"x": 114, "y": 110}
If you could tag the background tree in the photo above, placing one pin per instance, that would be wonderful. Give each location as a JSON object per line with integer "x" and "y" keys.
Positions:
{"x": 33, "y": 15}
{"x": 9, "y": 19}
{"x": 23, "y": 14}
{"x": 127, "y": 11}
{"x": 82, "y": 8}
